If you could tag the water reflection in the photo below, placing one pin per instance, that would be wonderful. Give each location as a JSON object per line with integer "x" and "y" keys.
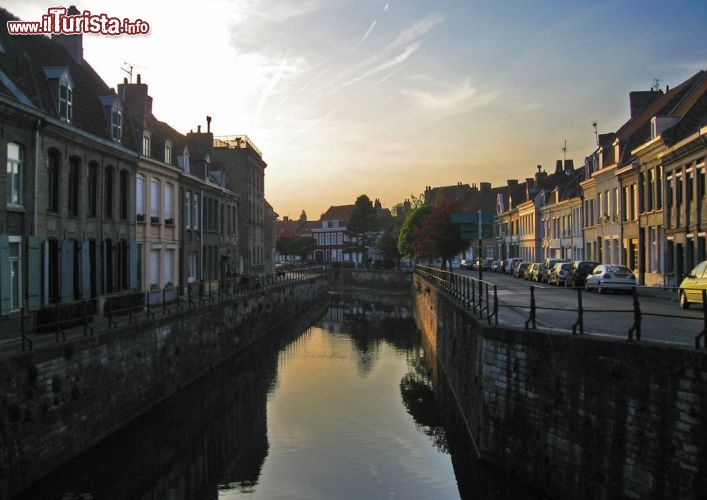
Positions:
{"x": 347, "y": 409}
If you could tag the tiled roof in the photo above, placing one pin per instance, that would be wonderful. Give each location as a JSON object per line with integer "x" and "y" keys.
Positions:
{"x": 24, "y": 61}
{"x": 338, "y": 212}
{"x": 692, "y": 109}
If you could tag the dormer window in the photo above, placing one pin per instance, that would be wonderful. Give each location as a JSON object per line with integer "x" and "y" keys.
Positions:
{"x": 65, "y": 101}
{"x": 62, "y": 88}
{"x": 146, "y": 144}
{"x": 168, "y": 152}
{"x": 117, "y": 125}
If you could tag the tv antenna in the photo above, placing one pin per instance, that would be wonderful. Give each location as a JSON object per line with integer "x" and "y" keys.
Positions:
{"x": 564, "y": 153}
{"x": 130, "y": 67}
{"x": 656, "y": 84}
{"x": 596, "y": 133}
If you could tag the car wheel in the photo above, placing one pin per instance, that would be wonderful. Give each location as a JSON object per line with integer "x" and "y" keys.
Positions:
{"x": 684, "y": 304}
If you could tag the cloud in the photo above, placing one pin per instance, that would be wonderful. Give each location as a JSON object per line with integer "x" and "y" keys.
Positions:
{"x": 448, "y": 98}
{"x": 418, "y": 29}
{"x": 386, "y": 7}
{"x": 368, "y": 33}
{"x": 386, "y": 65}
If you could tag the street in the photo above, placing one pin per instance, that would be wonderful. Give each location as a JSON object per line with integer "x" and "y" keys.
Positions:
{"x": 610, "y": 314}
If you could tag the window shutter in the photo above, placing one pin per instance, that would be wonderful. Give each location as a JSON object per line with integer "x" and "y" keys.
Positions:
{"x": 86, "y": 269}
{"x": 34, "y": 273}
{"x": 133, "y": 264}
{"x": 67, "y": 271}
{"x": 5, "y": 282}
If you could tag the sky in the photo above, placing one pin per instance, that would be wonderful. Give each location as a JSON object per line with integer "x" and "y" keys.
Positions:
{"x": 350, "y": 97}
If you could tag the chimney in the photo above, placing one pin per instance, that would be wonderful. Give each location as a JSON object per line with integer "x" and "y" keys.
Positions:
{"x": 512, "y": 182}
{"x": 569, "y": 166}
{"x": 641, "y": 99}
{"x": 198, "y": 129}
{"x": 139, "y": 78}
{"x": 72, "y": 43}
{"x": 485, "y": 186}
{"x": 558, "y": 167}
{"x": 286, "y": 218}
{"x": 208, "y": 124}
{"x": 539, "y": 167}
{"x": 136, "y": 101}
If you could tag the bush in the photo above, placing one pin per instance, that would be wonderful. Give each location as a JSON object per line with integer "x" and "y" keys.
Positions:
{"x": 69, "y": 314}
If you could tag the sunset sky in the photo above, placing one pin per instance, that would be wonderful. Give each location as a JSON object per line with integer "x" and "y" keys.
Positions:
{"x": 355, "y": 96}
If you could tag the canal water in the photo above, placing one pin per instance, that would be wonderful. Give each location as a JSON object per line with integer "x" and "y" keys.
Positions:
{"x": 345, "y": 408}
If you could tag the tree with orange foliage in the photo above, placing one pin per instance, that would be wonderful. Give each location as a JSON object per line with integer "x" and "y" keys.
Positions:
{"x": 436, "y": 236}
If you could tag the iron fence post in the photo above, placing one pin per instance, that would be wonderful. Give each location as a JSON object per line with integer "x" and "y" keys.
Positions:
{"x": 636, "y": 327}
{"x": 531, "y": 319}
{"x": 488, "y": 309}
{"x": 481, "y": 293}
{"x": 580, "y": 315}
{"x": 473, "y": 295}
{"x": 703, "y": 333}
{"x": 495, "y": 304}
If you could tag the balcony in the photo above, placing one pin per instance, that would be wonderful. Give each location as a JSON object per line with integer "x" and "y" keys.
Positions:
{"x": 236, "y": 142}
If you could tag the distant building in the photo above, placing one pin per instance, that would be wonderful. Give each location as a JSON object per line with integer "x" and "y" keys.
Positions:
{"x": 330, "y": 237}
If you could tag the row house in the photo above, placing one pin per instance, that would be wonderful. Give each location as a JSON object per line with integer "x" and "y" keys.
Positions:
{"x": 243, "y": 165}
{"x": 287, "y": 229}
{"x": 561, "y": 216}
{"x": 66, "y": 205}
{"x": 506, "y": 226}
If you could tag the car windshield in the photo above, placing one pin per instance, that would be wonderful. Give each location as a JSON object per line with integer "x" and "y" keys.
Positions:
{"x": 617, "y": 269}
{"x": 565, "y": 267}
{"x": 587, "y": 266}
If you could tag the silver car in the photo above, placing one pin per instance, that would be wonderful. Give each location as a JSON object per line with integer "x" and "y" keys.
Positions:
{"x": 610, "y": 277}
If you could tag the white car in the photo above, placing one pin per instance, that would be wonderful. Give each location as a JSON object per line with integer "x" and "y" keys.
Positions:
{"x": 610, "y": 277}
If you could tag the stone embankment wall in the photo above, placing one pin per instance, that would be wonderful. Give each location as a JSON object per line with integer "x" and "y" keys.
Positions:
{"x": 369, "y": 278}
{"x": 58, "y": 401}
{"x": 578, "y": 417}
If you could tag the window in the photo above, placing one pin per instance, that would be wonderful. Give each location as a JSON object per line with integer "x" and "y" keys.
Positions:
{"x": 187, "y": 210}
{"x": 140, "y": 198}
{"x": 146, "y": 144}
{"x": 66, "y": 101}
{"x": 139, "y": 265}
{"x": 195, "y": 205}
{"x": 15, "y": 171}
{"x": 659, "y": 188}
{"x": 154, "y": 268}
{"x": 340, "y": 238}
{"x": 117, "y": 125}
{"x": 649, "y": 191}
{"x": 15, "y": 272}
{"x": 168, "y": 267}
{"x": 192, "y": 275}
{"x": 124, "y": 183}
{"x": 74, "y": 184}
{"x": 92, "y": 188}
{"x": 155, "y": 201}
{"x": 53, "y": 181}
{"x": 186, "y": 162}
{"x": 108, "y": 182}
{"x": 700, "y": 181}
{"x": 168, "y": 152}
{"x": 168, "y": 204}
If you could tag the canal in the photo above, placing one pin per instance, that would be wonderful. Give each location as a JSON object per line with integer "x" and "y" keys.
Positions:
{"x": 351, "y": 406}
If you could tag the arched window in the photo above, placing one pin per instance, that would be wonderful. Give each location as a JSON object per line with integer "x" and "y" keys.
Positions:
{"x": 53, "y": 172}
{"x": 124, "y": 183}
{"x": 108, "y": 182}
{"x": 92, "y": 189}
{"x": 15, "y": 173}
{"x": 74, "y": 184}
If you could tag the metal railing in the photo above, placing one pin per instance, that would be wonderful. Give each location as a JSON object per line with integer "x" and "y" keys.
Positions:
{"x": 481, "y": 298}
{"x": 146, "y": 306}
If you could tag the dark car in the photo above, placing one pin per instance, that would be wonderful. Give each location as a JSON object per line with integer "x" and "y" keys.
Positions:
{"x": 578, "y": 272}
{"x": 558, "y": 274}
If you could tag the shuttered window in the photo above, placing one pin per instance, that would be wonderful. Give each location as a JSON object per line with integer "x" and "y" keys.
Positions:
{"x": 15, "y": 172}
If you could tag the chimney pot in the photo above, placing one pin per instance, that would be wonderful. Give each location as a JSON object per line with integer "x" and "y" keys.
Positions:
{"x": 139, "y": 78}
{"x": 198, "y": 129}
{"x": 558, "y": 167}
{"x": 208, "y": 124}
{"x": 125, "y": 80}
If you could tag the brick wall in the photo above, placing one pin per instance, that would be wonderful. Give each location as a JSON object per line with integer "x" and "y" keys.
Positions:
{"x": 56, "y": 402}
{"x": 575, "y": 416}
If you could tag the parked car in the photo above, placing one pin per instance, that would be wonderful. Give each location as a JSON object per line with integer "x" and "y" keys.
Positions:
{"x": 690, "y": 291}
{"x": 579, "y": 271}
{"x": 559, "y": 274}
{"x": 466, "y": 264}
{"x": 495, "y": 266}
{"x": 502, "y": 266}
{"x": 511, "y": 263}
{"x": 610, "y": 277}
{"x": 547, "y": 267}
{"x": 519, "y": 271}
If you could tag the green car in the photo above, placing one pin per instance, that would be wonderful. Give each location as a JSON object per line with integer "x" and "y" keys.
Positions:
{"x": 690, "y": 291}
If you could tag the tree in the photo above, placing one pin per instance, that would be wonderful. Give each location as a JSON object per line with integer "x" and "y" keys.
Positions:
{"x": 362, "y": 227}
{"x": 282, "y": 244}
{"x": 437, "y": 236}
{"x": 412, "y": 221}
{"x": 388, "y": 244}
{"x": 301, "y": 246}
